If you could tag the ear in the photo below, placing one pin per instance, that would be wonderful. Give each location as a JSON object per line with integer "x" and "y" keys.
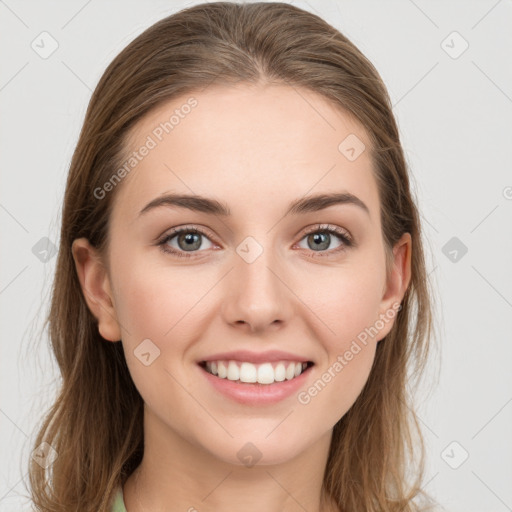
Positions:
{"x": 96, "y": 288}
{"x": 396, "y": 285}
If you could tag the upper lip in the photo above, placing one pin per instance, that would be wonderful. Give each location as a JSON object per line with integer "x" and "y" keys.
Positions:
{"x": 256, "y": 357}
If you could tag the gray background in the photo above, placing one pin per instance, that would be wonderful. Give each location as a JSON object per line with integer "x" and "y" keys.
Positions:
{"x": 454, "y": 111}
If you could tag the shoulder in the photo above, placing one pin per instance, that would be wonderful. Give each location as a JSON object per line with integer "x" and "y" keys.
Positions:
{"x": 118, "y": 503}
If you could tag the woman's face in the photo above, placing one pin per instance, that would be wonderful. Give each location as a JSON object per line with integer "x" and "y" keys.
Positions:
{"x": 259, "y": 277}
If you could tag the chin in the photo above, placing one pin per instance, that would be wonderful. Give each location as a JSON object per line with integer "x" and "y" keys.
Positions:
{"x": 258, "y": 449}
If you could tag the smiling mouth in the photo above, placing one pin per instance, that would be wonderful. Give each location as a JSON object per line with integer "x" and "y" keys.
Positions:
{"x": 249, "y": 373}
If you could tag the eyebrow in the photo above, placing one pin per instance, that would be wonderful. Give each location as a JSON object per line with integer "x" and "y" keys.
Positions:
{"x": 212, "y": 206}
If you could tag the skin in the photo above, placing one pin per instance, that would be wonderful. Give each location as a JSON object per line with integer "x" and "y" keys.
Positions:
{"x": 269, "y": 145}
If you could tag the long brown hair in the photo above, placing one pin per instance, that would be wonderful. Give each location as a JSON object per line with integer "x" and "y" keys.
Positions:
{"x": 95, "y": 425}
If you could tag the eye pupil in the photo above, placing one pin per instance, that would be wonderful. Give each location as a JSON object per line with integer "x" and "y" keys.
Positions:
{"x": 317, "y": 237}
{"x": 190, "y": 239}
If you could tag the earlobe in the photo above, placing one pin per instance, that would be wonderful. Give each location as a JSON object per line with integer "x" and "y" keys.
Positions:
{"x": 95, "y": 284}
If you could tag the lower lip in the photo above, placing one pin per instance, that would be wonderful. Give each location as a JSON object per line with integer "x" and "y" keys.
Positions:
{"x": 255, "y": 393}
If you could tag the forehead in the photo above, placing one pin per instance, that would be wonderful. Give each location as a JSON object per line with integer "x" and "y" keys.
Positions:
{"x": 247, "y": 145}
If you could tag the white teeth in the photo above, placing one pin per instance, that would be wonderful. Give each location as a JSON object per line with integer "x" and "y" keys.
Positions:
{"x": 233, "y": 371}
{"x": 223, "y": 371}
{"x": 290, "y": 371}
{"x": 266, "y": 373}
{"x": 280, "y": 372}
{"x": 248, "y": 373}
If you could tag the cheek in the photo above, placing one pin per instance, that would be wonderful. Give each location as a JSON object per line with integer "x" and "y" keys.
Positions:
{"x": 155, "y": 302}
{"x": 350, "y": 310}
{"x": 346, "y": 301}
{"x": 155, "y": 305}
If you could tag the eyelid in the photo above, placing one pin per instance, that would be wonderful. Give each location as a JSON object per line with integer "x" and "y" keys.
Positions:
{"x": 187, "y": 227}
{"x": 204, "y": 231}
{"x": 329, "y": 228}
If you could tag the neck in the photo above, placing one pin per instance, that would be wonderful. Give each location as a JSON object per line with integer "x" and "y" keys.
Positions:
{"x": 186, "y": 477}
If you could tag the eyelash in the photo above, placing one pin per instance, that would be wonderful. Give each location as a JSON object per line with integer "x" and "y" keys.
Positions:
{"x": 343, "y": 235}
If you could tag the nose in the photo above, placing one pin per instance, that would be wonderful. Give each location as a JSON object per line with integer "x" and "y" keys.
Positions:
{"x": 257, "y": 296}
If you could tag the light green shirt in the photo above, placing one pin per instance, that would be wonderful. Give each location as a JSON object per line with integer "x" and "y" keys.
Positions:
{"x": 118, "y": 505}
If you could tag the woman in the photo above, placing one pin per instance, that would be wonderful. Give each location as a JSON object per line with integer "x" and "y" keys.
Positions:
{"x": 241, "y": 285}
